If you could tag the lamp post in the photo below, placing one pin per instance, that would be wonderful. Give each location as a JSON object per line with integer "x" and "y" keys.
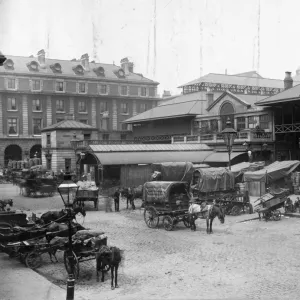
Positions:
{"x": 229, "y": 135}
{"x": 2, "y": 59}
{"x": 68, "y": 190}
{"x": 74, "y": 141}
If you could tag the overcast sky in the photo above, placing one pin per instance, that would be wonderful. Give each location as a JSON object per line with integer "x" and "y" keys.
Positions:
{"x": 109, "y": 30}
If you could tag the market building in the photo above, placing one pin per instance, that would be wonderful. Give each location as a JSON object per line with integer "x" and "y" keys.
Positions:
{"x": 36, "y": 92}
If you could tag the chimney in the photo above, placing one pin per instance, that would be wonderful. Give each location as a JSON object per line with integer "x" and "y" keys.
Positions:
{"x": 166, "y": 94}
{"x": 85, "y": 61}
{"x": 288, "y": 80}
{"x": 126, "y": 65}
{"x": 69, "y": 117}
{"x": 209, "y": 98}
{"x": 41, "y": 57}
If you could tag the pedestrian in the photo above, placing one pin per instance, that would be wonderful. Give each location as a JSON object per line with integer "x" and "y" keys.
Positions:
{"x": 117, "y": 199}
{"x": 108, "y": 204}
{"x": 297, "y": 205}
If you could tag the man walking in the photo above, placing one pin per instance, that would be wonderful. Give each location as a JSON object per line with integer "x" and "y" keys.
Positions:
{"x": 117, "y": 199}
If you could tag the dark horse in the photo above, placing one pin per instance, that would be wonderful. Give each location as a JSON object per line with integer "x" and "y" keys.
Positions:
{"x": 208, "y": 213}
{"x": 60, "y": 216}
{"x": 108, "y": 257}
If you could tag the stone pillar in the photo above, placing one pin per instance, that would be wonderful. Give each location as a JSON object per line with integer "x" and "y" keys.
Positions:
{"x": 49, "y": 111}
{"x": 246, "y": 122}
{"x": 134, "y": 112}
{"x": 235, "y": 123}
{"x": 114, "y": 115}
{"x": 94, "y": 113}
{"x": 1, "y": 116}
{"x": 219, "y": 125}
{"x": 71, "y": 110}
{"x": 25, "y": 115}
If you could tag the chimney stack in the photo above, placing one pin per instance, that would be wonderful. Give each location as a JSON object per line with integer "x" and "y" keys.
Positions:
{"x": 127, "y": 66}
{"x": 85, "y": 61}
{"x": 41, "y": 57}
{"x": 288, "y": 80}
{"x": 166, "y": 94}
{"x": 209, "y": 98}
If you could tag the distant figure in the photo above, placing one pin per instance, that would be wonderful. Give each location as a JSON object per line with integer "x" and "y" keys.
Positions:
{"x": 117, "y": 199}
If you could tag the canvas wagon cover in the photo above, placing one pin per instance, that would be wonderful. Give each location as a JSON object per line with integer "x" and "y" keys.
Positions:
{"x": 174, "y": 171}
{"x": 273, "y": 172}
{"x": 214, "y": 179}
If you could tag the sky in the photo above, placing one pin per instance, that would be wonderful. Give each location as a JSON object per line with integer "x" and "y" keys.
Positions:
{"x": 193, "y": 37}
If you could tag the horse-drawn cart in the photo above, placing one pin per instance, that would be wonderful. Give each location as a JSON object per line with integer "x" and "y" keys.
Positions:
{"x": 166, "y": 200}
{"x": 87, "y": 195}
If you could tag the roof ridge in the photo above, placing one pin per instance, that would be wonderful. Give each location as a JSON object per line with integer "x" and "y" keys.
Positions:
{"x": 175, "y": 103}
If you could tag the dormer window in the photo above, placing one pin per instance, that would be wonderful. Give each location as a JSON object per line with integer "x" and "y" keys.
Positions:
{"x": 99, "y": 71}
{"x": 33, "y": 66}
{"x": 9, "y": 64}
{"x": 56, "y": 68}
{"x": 78, "y": 70}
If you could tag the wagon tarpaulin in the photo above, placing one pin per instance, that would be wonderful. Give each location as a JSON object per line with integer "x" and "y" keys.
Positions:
{"x": 214, "y": 179}
{"x": 273, "y": 172}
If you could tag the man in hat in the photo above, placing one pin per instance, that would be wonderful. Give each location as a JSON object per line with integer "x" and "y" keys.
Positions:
{"x": 117, "y": 199}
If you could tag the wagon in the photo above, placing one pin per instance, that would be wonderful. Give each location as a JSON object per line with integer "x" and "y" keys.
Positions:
{"x": 167, "y": 200}
{"x": 42, "y": 186}
{"x": 8, "y": 219}
{"x": 87, "y": 195}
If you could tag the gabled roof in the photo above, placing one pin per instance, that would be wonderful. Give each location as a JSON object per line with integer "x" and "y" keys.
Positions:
{"x": 249, "y": 74}
{"x": 68, "y": 124}
{"x": 238, "y": 80}
{"x": 284, "y": 96}
{"x": 189, "y": 108}
{"x": 21, "y": 63}
{"x": 246, "y": 100}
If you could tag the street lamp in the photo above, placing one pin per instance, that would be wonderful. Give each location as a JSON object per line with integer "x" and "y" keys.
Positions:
{"x": 68, "y": 190}
{"x": 229, "y": 135}
{"x": 74, "y": 143}
{"x": 2, "y": 59}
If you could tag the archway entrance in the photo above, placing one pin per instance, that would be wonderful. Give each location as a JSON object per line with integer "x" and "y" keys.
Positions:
{"x": 227, "y": 111}
{"x": 89, "y": 164}
{"x": 35, "y": 150}
{"x": 12, "y": 152}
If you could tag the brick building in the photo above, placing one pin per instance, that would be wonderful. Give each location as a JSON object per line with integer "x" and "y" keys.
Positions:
{"x": 36, "y": 92}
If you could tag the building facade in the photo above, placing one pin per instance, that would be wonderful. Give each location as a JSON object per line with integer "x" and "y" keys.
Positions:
{"x": 36, "y": 92}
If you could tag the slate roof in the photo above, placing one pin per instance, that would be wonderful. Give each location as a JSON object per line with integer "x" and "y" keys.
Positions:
{"x": 68, "y": 124}
{"x": 20, "y": 66}
{"x": 239, "y": 80}
{"x": 284, "y": 96}
{"x": 189, "y": 108}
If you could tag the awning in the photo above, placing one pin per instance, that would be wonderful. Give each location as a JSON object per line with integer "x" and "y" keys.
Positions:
{"x": 221, "y": 156}
{"x": 243, "y": 167}
{"x": 273, "y": 172}
{"x": 149, "y": 157}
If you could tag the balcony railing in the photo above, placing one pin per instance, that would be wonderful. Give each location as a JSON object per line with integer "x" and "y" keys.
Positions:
{"x": 86, "y": 143}
{"x": 287, "y": 128}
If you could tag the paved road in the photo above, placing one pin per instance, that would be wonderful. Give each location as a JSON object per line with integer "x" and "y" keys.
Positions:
{"x": 251, "y": 260}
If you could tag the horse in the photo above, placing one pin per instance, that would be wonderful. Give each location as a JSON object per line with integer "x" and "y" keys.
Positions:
{"x": 60, "y": 216}
{"x": 4, "y": 203}
{"x": 112, "y": 257}
{"x": 208, "y": 213}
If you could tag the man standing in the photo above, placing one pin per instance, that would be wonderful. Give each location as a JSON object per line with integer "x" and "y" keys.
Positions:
{"x": 117, "y": 199}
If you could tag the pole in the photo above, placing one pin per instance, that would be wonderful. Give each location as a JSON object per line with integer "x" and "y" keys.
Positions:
{"x": 229, "y": 165}
{"x": 71, "y": 279}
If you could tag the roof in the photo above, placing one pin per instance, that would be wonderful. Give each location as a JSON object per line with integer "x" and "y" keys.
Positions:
{"x": 239, "y": 80}
{"x": 221, "y": 156}
{"x": 173, "y": 110}
{"x": 249, "y": 74}
{"x": 20, "y": 66}
{"x": 68, "y": 124}
{"x": 150, "y": 148}
{"x": 284, "y": 96}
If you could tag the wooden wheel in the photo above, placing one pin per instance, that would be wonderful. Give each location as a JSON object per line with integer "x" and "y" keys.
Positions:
{"x": 33, "y": 260}
{"x": 150, "y": 217}
{"x": 168, "y": 223}
{"x": 68, "y": 264}
{"x": 276, "y": 215}
{"x": 235, "y": 211}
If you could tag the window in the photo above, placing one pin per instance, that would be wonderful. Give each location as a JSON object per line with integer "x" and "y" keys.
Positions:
{"x": 82, "y": 106}
{"x": 104, "y": 124}
{"x": 252, "y": 121}
{"x": 103, "y": 89}
{"x": 12, "y": 126}
{"x": 264, "y": 121}
{"x": 87, "y": 136}
{"x": 214, "y": 126}
{"x": 124, "y": 90}
{"x": 124, "y": 108}
{"x": 204, "y": 126}
{"x": 68, "y": 164}
{"x": 124, "y": 126}
{"x": 36, "y": 105}
{"x": 37, "y": 126}
{"x": 83, "y": 121}
{"x": 143, "y": 91}
{"x": 11, "y": 104}
{"x": 103, "y": 107}
{"x": 241, "y": 123}
{"x": 11, "y": 83}
{"x": 36, "y": 85}
{"x": 123, "y": 137}
{"x": 81, "y": 88}
{"x": 60, "y": 105}
{"x": 105, "y": 137}
{"x": 59, "y": 86}
{"x": 48, "y": 139}
{"x": 144, "y": 107}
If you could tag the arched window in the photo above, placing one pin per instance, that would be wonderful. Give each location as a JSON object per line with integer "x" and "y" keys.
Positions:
{"x": 227, "y": 111}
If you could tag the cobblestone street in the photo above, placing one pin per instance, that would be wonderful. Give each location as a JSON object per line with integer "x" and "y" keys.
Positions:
{"x": 250, "y": 260}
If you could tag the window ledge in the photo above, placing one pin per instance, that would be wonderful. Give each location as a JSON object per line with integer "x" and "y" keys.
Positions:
{"x": 12, "y": 110}
{"x": 14, "y": 135}
{"x": 61, "y": 92}
{"x": 36, "y": 91}
{"x": 103, "y": 94}
{"x": 37, "y": 111}
{"x": 83, "y": 112}
{"x": 124, "y": 95}
{"x": 11, "y": 89}
{"x": 60, "y": 112}
{"x": 125, "y": 114}
{"x": 36, "y": 135}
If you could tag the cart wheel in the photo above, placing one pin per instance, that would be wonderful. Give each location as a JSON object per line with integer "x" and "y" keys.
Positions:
{"x": 150, "y": 217}
{"x": 68, "y": 265}
{"x": 168, "y": 223}
{"x": 235, "y": 211}
{"x": 277, "y": 215}
{"x": 33, "y": 260}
